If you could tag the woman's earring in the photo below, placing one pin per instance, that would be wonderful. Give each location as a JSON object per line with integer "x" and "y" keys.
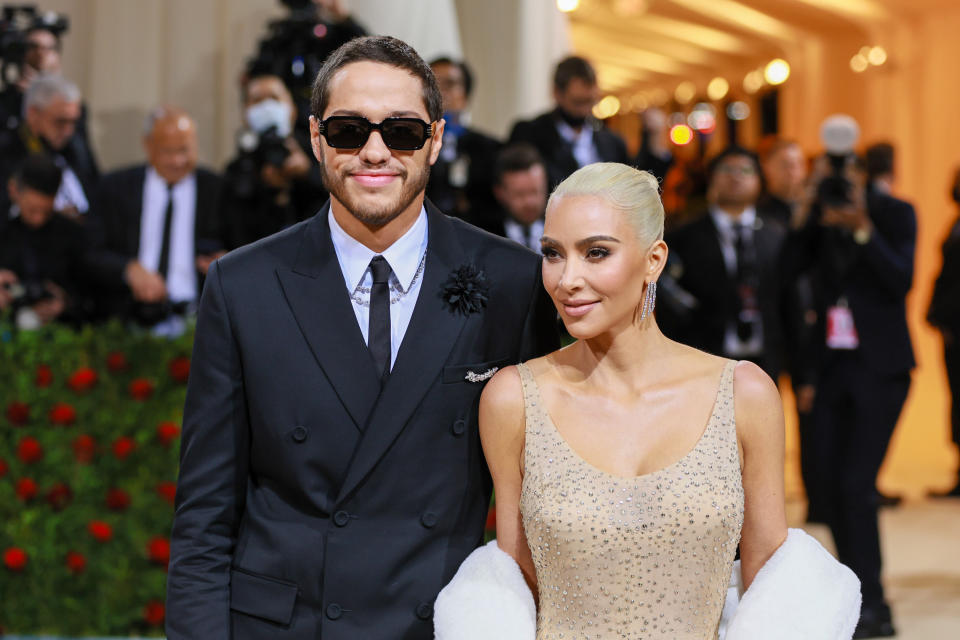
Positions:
{"x": 649, "y": 300}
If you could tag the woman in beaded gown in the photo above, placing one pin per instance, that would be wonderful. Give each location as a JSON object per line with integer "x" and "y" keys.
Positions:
{"x": 628, "y": 467}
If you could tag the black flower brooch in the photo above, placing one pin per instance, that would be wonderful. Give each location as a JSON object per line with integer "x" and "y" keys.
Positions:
{"x": 466, "y": 290}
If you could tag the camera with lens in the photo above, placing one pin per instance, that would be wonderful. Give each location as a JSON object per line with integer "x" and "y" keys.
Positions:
{"x": 257, "y": 150}
{"x": 839, "y": 134}
{"x": 16, "y": 21}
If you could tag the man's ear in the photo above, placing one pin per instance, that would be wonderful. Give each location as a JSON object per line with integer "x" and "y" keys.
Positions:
{"x": 315, "y": 139}
{"x": 436, "y": 140}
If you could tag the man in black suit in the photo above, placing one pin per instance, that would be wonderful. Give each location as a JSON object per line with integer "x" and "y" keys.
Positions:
{"x": 568, "y": 137}
{"x": 521, "y": 189}
{"x": 725, "y": 288}
{"x": 859, "y": 250}
{"x": 154, "y": 228}
{"x": 331, "y": 477}
{"x": 944, "y": 314}
{"x": 461, "y": 180}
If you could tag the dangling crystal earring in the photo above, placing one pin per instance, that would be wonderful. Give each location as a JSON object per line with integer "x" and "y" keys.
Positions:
{"x": 649, "y": 300}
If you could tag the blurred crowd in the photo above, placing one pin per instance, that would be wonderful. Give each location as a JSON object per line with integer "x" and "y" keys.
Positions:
{"x": 799, "y": 264}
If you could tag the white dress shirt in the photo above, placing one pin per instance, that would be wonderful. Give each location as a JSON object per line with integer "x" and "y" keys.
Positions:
{"x": 527, "y": 236}
{"x": 727, "y": 235}
{"x": 71, "y": 192}
{"x": 404, "y": 258}
{"x": 181, "y": 276}
{"x": 583, "y": 150}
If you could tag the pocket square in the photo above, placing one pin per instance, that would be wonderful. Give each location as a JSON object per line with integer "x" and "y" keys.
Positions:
{"x": 480, "y": 377}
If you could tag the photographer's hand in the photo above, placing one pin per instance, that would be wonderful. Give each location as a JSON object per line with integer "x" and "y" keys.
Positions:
{"x": 146, "y": 286}
{"x": 7, "y": 278}
{"x": 50, "y": 308}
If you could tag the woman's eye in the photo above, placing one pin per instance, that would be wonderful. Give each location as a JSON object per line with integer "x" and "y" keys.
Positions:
{"x": 596, "y": 253}
{"x": 549, "y": 253}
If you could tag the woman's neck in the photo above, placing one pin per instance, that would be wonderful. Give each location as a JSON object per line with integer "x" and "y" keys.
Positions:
{"x": 628, "y": 358}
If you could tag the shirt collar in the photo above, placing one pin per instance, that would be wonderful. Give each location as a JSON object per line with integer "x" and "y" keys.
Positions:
{"x": 403, "y": 256}
{"x": 725, "y": 222}
{"x": 154, "y": 181}
{"x": 569, "y": 134}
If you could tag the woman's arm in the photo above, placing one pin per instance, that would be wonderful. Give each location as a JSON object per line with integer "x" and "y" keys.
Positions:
{"x": 760, "y": 431}
{"x": 502, "y": 426}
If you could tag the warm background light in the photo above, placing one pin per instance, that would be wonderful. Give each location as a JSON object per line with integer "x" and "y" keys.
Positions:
{"x": 681, "y": 135}
{"x": 738, "y": 110}
{"x": 753, "y": 81}
{"x": 777, "y": 71}
{"x": 639, "y": 102}
{"x": 859, "y": 63}
{"x": 606, "y": 108}
{"x": 718, "y": 88}
{"x": 567, "y": 5}
{"x": 685, "y": 92}
{"x": 877, "y": 56}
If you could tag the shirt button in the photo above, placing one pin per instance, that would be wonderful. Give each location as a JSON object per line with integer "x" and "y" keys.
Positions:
{"x": 341, "y": 518}
{"x": 334, "y": 611}
{"x": 299, "y": 434}
{"x": 429, "y": 519}
{"x": 459, "y": 427}
{"x": 424, "y": 611}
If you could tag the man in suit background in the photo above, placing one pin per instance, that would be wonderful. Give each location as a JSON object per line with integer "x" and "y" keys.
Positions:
{"x": 725, "y": 289}
{"x": 521, "y": 190}
{"x": 461, "y": 180}
{"x": 155, "y": 228}
{"x": 568, "y": 137}
{"x": 331, "y": 476}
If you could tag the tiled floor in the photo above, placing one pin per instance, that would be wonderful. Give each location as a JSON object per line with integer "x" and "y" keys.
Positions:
{"x": 921, "y": 547}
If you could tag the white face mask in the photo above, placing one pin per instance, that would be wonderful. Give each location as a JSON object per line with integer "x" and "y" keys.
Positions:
{"x": 269, "y": 113}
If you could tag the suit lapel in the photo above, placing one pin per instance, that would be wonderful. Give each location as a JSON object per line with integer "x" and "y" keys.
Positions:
{"x": 432, "y": 332}
{"x": 316, "y": 293}
{"x": 135, "y": 207}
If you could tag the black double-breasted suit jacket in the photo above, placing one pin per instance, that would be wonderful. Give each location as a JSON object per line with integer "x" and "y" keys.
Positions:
{"x": 311, "y": 502}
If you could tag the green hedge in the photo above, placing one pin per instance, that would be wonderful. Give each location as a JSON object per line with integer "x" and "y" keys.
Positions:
{"x": 89, "y": 439}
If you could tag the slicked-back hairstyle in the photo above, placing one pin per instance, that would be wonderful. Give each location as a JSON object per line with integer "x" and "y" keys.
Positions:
{"x": 385, "y": 50}
{"x": 464, "y": 71}
{"x": 634, "y": 192}
{"x": 573, "y": 67}
{"x": 519, "y": 156}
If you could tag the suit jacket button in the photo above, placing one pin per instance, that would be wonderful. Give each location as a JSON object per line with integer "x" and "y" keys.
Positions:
{"x": 424, "y": 611}
{"x": 300, "y": 434}
{"x": 428, "y": 519}
{"x": 341, "y": 518}
{"x": 334, "y": 611}
{"x": 459, "y": 427}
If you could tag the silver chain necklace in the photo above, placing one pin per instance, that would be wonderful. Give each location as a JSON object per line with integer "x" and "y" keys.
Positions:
{"x": 400, "y": 293}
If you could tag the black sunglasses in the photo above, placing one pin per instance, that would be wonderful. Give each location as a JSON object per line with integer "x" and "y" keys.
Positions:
{"x": 351, "y": 132}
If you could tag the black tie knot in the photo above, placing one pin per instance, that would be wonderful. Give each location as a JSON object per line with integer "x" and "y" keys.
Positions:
{"x": 380, "y": 269}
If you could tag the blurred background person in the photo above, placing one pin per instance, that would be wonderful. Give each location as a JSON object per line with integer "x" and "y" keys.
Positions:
{"x": 41, "y": 252}
{"x": 461, "y": 180}
{"x": 569, "y": 137}
{"x": 726, "y": 286}
{"x": 35, "y": 53}
{"x": 784, "y": 179}
{"x": 521, "y": 190}
{"x": 52, "y": 110}
{"x": 944, "y": 314}
{"x": 154, "y": 228}
{"x": 654, "y": 155}
{"x": 879, "y": 160}
{"x": 271, "y": 183}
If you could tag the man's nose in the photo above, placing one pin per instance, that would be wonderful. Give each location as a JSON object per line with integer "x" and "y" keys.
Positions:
{"x": 374, "y": 150}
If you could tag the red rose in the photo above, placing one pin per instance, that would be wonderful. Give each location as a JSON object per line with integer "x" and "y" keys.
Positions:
{"x": 82, "y": 379}
{"x": 116, "y": 361}
{"x": 26, "y": 489}
{"x": 118, "y": 499}
{"x": 29, "y": 450}
{"x": 44, "y": 376}
{"x": 158, "y": 550}
{"x": 154, "y": 613}
{"x": 15, "y": 558}
{"x": 167, "y": 491}
{"x": 123, "y": 447}
{"x": 59, "y": 496}
{"x": 101, "y": 531}
{"x": 84, "y": 447}
{"x": 141, "y": 389}
{"x": 491, "y": 519}
{"x": 18, "y": 413}
{"x": 63, "y": 414}
{"x": 3, "y": 467}
{"x": 179, "y": 369}
{"x": 167, "y": 432}
{"x": 76, "y": 562}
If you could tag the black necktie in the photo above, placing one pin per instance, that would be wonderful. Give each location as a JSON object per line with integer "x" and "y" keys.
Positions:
{"x": 164, "y": 264}
{"x": 748, "y": 310}
{"x": 379, "y": 329}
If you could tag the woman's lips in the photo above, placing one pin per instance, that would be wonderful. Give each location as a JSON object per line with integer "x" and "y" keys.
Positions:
{"x": 578, "y": 309}
{"x": 374, "y": 179}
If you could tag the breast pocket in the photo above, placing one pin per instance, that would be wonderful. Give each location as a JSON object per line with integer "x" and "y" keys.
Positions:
{"x": 477, "y": 373}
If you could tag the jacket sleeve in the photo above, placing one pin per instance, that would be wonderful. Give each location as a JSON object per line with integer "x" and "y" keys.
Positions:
{"x": 211, "y": 491}
{"x": 890, "y": 250}
{"x": 540, "y": 329}
{"x": 102, "y": 261}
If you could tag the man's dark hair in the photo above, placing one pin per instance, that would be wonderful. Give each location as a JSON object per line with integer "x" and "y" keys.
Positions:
{"x": 257, "y": 72}
{"x": 879, "y": 160}
{"x": 570, "y": 68}
{"x": 464, "y": 71}
{"x": 731, "y": 152}
{"x": 39, "y": 172}
{"x": 383, "y": 49}
{"x": 515, "y": 157}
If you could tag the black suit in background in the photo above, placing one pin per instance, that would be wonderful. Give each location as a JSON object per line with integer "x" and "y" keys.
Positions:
{"x": 557, "y": 153}
{"x": 463, "y": 187}
{"x": 944, "y": 314}
{"x": 113, "y": 230}
{"x": 311, "y": 503}
{"x": 698, "y": 275}
{"x": 860, "y": 392}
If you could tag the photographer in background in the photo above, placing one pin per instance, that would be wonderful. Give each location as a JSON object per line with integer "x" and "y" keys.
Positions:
{"x": 40, "y": 252}
{"x": 30, "y": 46}
{"x": 858, "y": 246}
{"x": 271, "y": 183}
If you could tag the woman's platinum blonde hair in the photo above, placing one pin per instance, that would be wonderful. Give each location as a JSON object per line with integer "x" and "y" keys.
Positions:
{"x": 634, "y": 192}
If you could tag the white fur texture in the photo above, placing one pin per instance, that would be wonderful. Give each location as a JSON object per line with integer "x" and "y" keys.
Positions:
{"x": 488, "y": 599}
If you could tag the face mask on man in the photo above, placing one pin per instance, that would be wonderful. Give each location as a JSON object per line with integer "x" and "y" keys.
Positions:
{"x": 269, "y": 113}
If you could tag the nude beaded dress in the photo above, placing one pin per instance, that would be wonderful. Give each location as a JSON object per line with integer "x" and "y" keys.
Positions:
{"x": 647, "y": 557}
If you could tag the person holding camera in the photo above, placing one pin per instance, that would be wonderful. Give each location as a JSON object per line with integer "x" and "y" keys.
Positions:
{"x": 858, "y": 247}
{"x": 40, "y": 252}
{"x": 271, "y": 183}
{"x": 154, "y": 229}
